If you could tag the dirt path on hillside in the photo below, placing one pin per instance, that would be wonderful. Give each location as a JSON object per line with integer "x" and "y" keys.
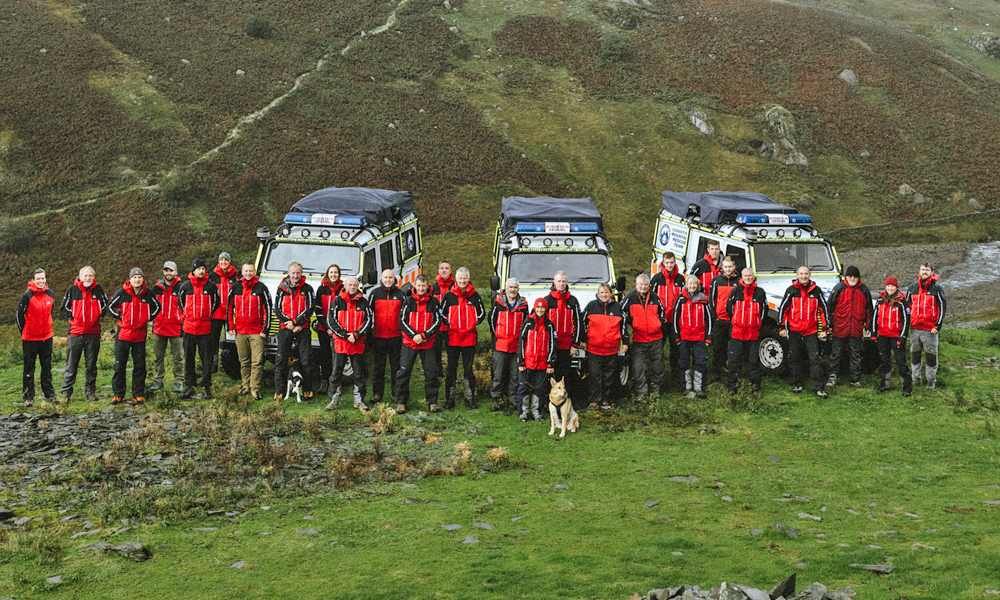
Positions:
{"x": 969, "y": 273}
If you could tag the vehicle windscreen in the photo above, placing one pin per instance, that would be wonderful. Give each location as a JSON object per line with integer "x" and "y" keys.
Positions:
{"x": 315, "y": 258}
{"x": 778, "y": 257}
{"x": 580, "y": 267}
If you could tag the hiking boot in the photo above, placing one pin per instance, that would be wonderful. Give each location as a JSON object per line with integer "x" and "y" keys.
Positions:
{"x": 324, "y": 386}
{"x": 29, "y": 402}
{"x": 907, "y": 394}
{"x": 138, "y": 400}
{"x": 930, "y": 385}
{"x": 832, "y": 381}
{"x": 91, "y": 397}
{"x": 524, "y": 417}
{"x": 330, "y": 406}
{"x": 856, "y": 384}
{"x": 307, "y": 395}
{"x": 156, "y": 387}
{"x": 208, "y": 394}
{"x": 178, "y": 388}
{"x": 360, "y": 406}
{"x": 187, "y": 394}
{"x": 821, "y": 394}
{"x": 495, "y": 406}
{"x": 278, "y": 397}
{"x": 797, "y": 389}
{"x": 116, "y": 400}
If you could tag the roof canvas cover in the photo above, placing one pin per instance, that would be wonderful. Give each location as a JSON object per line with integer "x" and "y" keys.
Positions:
{"x": 516, "y": 210}
{"x": 721, "y": 207}
{"x": 376, "y": 205}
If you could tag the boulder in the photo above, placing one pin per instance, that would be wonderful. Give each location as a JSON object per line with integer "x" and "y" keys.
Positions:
{"x": 786, "y": 588}
{"x": 814, "y": 592}
{"x": 905, "y": 190}
{"x": 975, "y": 205}
{"x": 849, "y": 76}
{"x": 700, "y": 120}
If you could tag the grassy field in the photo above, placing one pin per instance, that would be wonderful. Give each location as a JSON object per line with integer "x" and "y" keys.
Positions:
{"x": 863, "y": 477}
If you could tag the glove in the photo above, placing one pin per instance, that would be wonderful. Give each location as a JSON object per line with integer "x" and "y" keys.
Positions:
{"x": 708, "y": 342}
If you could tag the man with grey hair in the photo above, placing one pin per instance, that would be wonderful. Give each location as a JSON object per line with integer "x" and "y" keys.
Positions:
{"x": 83, "y": 304}
{"x": 927, "y": 307}
{"x": 462, "y": 310}
{"x": 645, "y": 314}
{"x": 507, "y": 313}
{"x": 564, "y": 312}
{"x": 745, "y": 307}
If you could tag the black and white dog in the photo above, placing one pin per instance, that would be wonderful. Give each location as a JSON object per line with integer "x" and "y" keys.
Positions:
{"x": 294, "y": 380}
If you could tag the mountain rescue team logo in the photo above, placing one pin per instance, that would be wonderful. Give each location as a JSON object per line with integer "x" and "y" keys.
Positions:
{"x": 664, "y": 236}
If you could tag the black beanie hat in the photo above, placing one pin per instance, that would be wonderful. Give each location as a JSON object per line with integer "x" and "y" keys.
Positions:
{"x": 197, "y": 263}
{"x": 853, "y": 271}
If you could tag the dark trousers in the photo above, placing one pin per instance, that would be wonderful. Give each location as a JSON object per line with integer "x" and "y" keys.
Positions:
{"x": 42, "y": 350}
{"x": 738, "y": 349}
{"x": 357, "y": 365}
{"x": 77, "y": 346}
{"x": 286, "y": 340}
{"x": 532, "y": 382}
{"x": 801, "y": 347}
{"x": 384, "y": 349}
{"x": 407, "y": 360}
{"x": 853, "y": 350}
{"x": 138, "y": 352}
{"x": 218, "y": 329}
{"x": 197, "y": 343}
{"x": 563, "y": 364}
{"x": 323, "y": 356}
{"x": 888, "y": 348}
{"x": 722, "y": 331}
{"x": 675, "y": 350}
{"x": 440, "y": 348}
{"x": 467, "y": 354}
{"x": 600, "y": 374}
{"x": 640, "y": 351}
{"x": 505, "y": 376}
{"x": 692, "y": 350}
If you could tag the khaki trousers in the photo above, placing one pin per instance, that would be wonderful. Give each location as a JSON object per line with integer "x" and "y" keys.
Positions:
{"x": 250, "y": 348}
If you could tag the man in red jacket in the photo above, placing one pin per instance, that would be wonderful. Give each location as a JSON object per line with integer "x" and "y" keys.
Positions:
{"x": 349, "y": 321}
{"x": 442, "y": 283}
{"x": 745, "y": 307}
{"x": 507, "y": 314}
{"x": 564, "y": 312}
{"x": 645, "y": 315}
{"x": 462, "y": 309}
{"x": 294, "y": 304}
{"x": 667, "y": 284}
{"x": 420, "y": 321}
{"x": 83, "y": 304}
{"x": 198, "y": 299}
{"x": 718, "y": 295}
{"x": 708, "y": 266}
{"x": 803, "y": 319}
{"x": 223, "y": 276}
{"x": 386, "y": 302}
{"x": 850, "y": 308}
{"x": 927, "y": 308}
{"x": 34, "y": 320}
{"x": 248, "y": 308}
{"x": 167, "y": 329}
{"x": 134, "y": 306}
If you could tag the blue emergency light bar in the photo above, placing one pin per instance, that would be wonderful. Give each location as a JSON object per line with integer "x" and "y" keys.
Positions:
{"x": 530, "y": 228}
{"x": 321, "y": 219}
{"x": 798, "y": 219}
{"x": 583, "y": 228}
{"x": 750, "y": 219}
{"x": 557, "y": 228}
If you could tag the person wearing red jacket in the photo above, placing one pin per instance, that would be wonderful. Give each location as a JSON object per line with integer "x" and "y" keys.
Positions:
{"x": 645, "y": 315}
{"x": 890, "y": 326}
{"x": 34, "y": 321}
{"x": 328, "y": 289}
{"x": 564, "y": 312}
{"x": 293, "y": 305}
{"x": 386, "y": 302}
{"x": 604, "y": 325}
{"x": 507, "y": 314}
{"x": 349, "y": 320}
{"x": 708, "y": 266}
{"x": 223, "y": 276}
{"x": 248, "y": 310}
{"x": 134, "y": 305}
{"x": 535, "y": 361}
{"x": 667, "y": 284}
{"x": 803, "y": 319}
{"x": 462, "y": 309}
{"x": 927, "y": 308}
{"x": 693, "y": 318}
{"x": 850, "y": 309}
{"x": 198, "y": 299}
{"x": 745, "y": 307}
{"x": 83, "y": 304}
{"x": 718, "y": 296}
{"x": 167, "y": 329}
{"x": 442, "y": 283}
{"x": 420, "y": 322}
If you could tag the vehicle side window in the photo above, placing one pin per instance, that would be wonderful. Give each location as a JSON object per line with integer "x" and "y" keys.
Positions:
{"x": 410, "y": 243}
{"x": 739, "y": 256}
{"x": 385, "y": 253}
{"x": 702, "y": 247}
{"x": 371, "y": 269}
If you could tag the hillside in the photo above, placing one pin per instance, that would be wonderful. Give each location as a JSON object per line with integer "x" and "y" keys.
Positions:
{"x": 128, "y": 134}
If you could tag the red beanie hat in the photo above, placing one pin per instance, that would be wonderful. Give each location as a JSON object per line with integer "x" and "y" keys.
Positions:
{"x": 540, "y": 302}
{"x": 890, "y": 280}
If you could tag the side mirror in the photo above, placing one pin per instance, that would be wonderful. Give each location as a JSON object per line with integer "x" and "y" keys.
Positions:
{"x": 371, "y": 278}
{"x": 620, "y": 287}
{"x": 405, "y": 288}
{"x": 494, "y": 284}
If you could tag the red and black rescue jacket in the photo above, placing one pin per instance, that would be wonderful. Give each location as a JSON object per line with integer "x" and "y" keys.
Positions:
{"x": 927, "y": 304}
{"x": 198, "y": 299}
{"x": 349, "y": 314}
{"x": 168, "y": 322}
{"x": 34, "y": 313}
{"x": 850, "y": 309}
{"x": 891, "y": 316}
{"x": 564, "y": 312}
{"x": 134, "y": 311}
{"x": 462, "y": 310}
{"x": 248, "y": 307}
{"x": 295, "y": 305}
{"x": 506, "y": 322}
{"x": 326, "y": 291}
{"x": 718, "y": 294}
{"x": 439, "y": 288}
{"x": 746, "y": 308}
{"x": 420, "y": 315}
{"x": 705, "y": 270}
{"x": 692, "y": 317}
{"x": 84, "y": 308}
{"x": 802, "y": 309}
{"x": 645, "y": 315}
{"x": 386, "y": 305}
{"x": 604, "y": 324}
{"x": 223, "y": 280}
{"x": 667, "y": 287}
{"x": 536, "y": 349}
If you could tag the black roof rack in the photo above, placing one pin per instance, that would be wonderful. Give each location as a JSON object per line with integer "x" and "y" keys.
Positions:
{"x": 375, "y": 205}
{"x": 516, "y": 209}
{"x": 721, "y": 207}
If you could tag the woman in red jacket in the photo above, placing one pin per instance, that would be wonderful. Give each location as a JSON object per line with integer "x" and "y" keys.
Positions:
{"x": 327, "y": 290}
{"x": 536, "y": 358}
{"x": 693, "y": 333}
{"x": 890, "y": 327}
{"x": 604, "y": 325}
{"x": 134, "y": 305}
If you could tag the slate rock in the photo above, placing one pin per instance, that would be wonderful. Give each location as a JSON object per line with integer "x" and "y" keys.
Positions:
{"x": 102, "y": 546}
{"x": 515, "y": 519}
{"x": 814, "y": 592}
{"x": 307, "y": 531}
{"x": 562, "y": 486}
{"x": 752, "y": 593}
{"x": 651, "y": 503}
{"x": 877, "y": 569}
{"x": 131, "y": 550}
{"x": 238, "y": 565}
{"x": 56, "y": 579}
{"x": 205, "y": 529}
{"x": 452, "y": 527}
{"x": 470, "y": 540}
{"x": 843, "y": 594}
{"x": 684, "y": 478}
{"x": 786, "y": 588}
{"x": 482, "y": 525}
{"x": 791, "y": 531}
{"x": 6, "y": 514}
{"x": 755, "y": 532}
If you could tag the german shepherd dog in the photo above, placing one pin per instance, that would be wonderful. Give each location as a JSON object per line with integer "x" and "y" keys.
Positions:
{"x": 561, "y": 409}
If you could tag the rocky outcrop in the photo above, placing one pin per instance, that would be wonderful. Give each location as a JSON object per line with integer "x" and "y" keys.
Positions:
{"x": 736, "y": 591}
{"x": 779, "y": 137}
